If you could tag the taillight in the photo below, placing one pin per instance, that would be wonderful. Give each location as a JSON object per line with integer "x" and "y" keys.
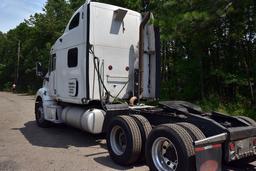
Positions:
{"x": 254, "y": 142}
{"x": 232, "y": 147}
{"x": 232, "y": 151}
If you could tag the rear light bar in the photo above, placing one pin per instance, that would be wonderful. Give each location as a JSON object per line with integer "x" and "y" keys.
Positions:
{"x": 241, "y": 149}
{"x": 232, "y": 147}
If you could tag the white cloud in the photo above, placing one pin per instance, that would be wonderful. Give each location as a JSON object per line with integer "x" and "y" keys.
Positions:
{"x": 13, "y": 12}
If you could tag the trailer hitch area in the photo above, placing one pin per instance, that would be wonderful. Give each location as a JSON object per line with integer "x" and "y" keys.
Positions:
{"x": 208, "y": 153}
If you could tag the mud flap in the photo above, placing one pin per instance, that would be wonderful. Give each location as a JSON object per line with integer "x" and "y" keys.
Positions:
{"x": 209, "y": 158}
{"x": 208, "y": 153}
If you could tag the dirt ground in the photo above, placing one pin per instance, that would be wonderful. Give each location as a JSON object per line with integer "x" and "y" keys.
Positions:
{"x": 24, "y": 146}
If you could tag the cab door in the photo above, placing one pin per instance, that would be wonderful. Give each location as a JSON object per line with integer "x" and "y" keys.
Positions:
{"x": 71, "y": 63}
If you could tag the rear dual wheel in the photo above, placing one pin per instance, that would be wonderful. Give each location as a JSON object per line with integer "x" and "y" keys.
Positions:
{"x": 194, "y": 131}
{"x": 145, "y": 128}
{"x": 126, "y": 138}
{"x": 170, "y": 147}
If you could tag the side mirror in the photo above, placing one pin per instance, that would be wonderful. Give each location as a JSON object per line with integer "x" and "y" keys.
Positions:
{"x": 39, "y": 69}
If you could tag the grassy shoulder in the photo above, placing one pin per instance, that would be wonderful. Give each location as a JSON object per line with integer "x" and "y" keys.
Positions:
{"x": 231, "y": 108}
{"x": 238, "y": 107}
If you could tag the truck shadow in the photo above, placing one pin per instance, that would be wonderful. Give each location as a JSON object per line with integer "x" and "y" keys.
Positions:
{"x": 106, "y": 161}
{"x": 62, "y": 136}
{"x": 59, "y": 136}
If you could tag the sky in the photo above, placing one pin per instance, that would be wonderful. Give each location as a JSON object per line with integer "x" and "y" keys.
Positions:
{"x": 13, "y": 12}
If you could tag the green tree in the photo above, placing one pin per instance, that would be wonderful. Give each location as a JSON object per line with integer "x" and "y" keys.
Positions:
{"x": 208, "y": 47}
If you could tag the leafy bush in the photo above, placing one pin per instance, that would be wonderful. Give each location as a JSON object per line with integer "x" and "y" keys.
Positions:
{"x": 231, "y": 108}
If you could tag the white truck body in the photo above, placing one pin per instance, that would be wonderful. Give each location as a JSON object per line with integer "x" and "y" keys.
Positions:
{"x": 113, "y": 33}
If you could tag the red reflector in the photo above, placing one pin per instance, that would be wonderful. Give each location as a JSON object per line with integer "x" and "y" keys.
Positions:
{"x": 216, "y": 146}
{"x": 254, "y": 142}
{"x": 127, "y": 68}
{"x": 232, "y": 147}
{"x": 209, "y": 165}
{"x": 199, "y": 149}
{"x": 110, "y": 67}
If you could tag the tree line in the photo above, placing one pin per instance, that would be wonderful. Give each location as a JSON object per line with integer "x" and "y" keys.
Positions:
{"x": 208, "y": 48}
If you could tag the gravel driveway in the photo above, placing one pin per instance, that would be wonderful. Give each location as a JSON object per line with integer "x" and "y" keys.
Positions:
{"x": 24, "y": 146}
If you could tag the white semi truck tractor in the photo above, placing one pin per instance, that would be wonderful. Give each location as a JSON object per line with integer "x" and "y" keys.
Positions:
{"x": 101, "y": 71}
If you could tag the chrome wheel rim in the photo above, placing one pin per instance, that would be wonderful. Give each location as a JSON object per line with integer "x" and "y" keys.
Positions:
{"x": 118, "y": 140}
{"x": 164, "y": 154}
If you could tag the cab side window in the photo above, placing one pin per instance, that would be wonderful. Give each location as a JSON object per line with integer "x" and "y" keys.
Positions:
{"x": 52, "y": 65}
{"x": 72, "y": 57}
{"x": 74, "y": 22}
{"x": 53, "y": 62}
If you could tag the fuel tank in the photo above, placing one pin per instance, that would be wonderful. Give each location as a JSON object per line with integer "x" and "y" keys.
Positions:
{"x": 89, "y": 120}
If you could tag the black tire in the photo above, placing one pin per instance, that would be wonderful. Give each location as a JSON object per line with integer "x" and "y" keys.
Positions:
{"x": 133, "y": 142}
{"x": 248, "y": 120}
{"x": 39, "y": 115}
{"x": 194, "y": 131}
{"x": 145, "y": 128}
{"x": 180, "y": 139}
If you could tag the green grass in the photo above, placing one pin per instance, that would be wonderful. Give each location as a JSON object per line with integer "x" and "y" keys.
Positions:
{"x": 231, "y": 108}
